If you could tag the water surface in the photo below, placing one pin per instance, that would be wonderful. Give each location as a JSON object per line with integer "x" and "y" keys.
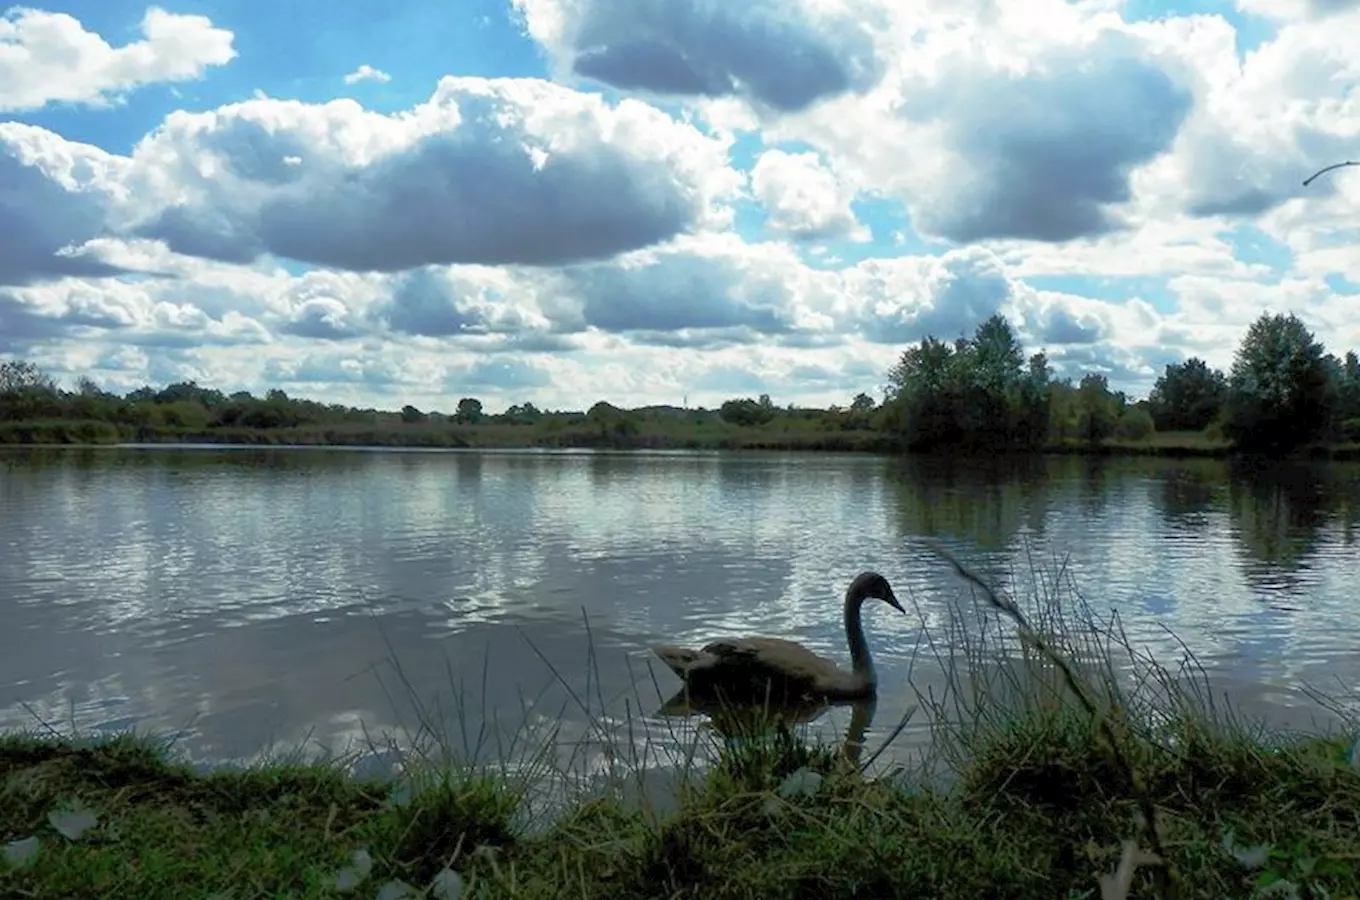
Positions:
{"x": 254, "y": 599}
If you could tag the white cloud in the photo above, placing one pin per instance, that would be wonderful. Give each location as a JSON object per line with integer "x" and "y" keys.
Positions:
{"x": 782, "y": 54}
{"x": 1289, "y": 10}
{"x": 1003, "y": 128}
{"x": 366, "y": 72}
{"x": 751, "y": 308}
{"x": 487, "y": 171}
{"x": 517, "y": 239}
{"x": 1261, "y": 128}
{"x": 50, "y": 58}
{"x": 56, "y": 197}
{"x": 804, "y": 197}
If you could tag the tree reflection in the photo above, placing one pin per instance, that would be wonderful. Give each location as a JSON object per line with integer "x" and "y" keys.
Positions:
{"x": 1279, "y": 511}
{"x": 983, "y": 502}
{"x": 1190, "y": 490}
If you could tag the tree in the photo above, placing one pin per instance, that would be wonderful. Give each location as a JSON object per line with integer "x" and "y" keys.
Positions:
{"x": 523, "y": 414}
{"x": 469, "y": 411}
{"x": 87, "y": 387}
{"x": 1348, "y": 398}
{"x": 747, "y": 412}
{"x": 412, "y": 416}
{"x": 976, "y": 392}
{"x": 22, "y": 375}
{"x": 1134, "y": 425}
{"x": 862, "y": 403}
{"x": 27, "y": 392}
{"x": 1281, "y": 393}
{"x": 1099, "y": 410}
{"x": 611, "y": 422}
{"x": 1188, "y": 396}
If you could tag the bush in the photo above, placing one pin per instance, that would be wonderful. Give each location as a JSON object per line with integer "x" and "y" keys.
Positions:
{"x": 1134, "y": 425}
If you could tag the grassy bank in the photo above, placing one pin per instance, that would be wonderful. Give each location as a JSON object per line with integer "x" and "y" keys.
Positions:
{"x": 1039, "y": 812}
{"x": 1051, "y": 793}
{"x": 711, "y": 434}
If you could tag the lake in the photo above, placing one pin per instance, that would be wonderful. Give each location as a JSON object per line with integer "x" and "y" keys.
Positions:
{"x": 254, "y": 600}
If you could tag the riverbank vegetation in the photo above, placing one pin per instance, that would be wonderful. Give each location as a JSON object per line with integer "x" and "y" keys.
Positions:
{"x": 1113, "y": 777}
{"x": 980, "y": 394}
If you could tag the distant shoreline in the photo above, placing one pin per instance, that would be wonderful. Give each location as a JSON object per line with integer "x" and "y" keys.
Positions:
{"x": 1174, "y": 445}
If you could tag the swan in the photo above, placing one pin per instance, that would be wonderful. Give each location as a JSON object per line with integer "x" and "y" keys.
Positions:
{"x": 771, "y": 668}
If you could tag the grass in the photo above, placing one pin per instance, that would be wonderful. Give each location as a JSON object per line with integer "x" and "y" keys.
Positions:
{"x": 1079, "y": 768}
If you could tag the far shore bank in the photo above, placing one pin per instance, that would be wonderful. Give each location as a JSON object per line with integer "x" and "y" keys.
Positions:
{"x": 1173, "y": 445}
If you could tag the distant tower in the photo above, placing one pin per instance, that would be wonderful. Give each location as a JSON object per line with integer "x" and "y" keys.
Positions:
{"x": 685, "y": 402}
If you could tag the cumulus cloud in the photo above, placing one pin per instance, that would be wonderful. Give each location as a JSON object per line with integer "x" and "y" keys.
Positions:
{"x": 785, "y": 54}
{"x": 1287, "y": 10}
{"x": 713, "y": 284}
{"x": 903, "y": 300}
{"x": 502, "y": 373}
{"x": 487, "y": 172}
{"x": 50, "y": 58}
{"x": 805, "y": 199}
{"x": 321, "y": 317}
{"x": 1029, "y": 122}
{"x": 1044, "y": 156}
{"x": 366, "y": 72}
{"x": 1262, "y": 127}
{"x": 365, "y": 369}
{"x": 515, "y": 239}
{"x": 453, "y": 301}
{"x": 54, "y": 197}
{"x": 130, "y": 313}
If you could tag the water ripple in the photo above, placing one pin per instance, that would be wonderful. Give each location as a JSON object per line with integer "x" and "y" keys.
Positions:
{"x": 258, "y": 592}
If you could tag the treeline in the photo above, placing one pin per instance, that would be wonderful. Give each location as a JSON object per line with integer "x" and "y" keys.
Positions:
{"x": 35, "y": 409}
{"x": 978, "y": 394}
{"x": 981, "y": 393}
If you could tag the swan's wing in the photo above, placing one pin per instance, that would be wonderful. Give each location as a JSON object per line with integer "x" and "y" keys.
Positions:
{"x": 682, "y": 660}
{"x": 778, "y": 656}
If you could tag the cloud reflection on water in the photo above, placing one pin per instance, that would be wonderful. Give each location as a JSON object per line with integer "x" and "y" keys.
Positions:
{"x": 255, "y": 594}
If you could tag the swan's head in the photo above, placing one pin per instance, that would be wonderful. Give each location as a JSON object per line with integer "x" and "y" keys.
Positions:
{"x": 872, "y": 585}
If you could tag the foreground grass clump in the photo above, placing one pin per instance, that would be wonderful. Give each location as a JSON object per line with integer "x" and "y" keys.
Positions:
{"x": 1038, "y": 812}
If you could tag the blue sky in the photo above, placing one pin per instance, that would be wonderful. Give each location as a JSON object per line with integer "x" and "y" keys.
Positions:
{"x": 641, "y": 200}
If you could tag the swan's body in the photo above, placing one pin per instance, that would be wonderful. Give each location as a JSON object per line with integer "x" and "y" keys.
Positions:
{"x": 760, "y": 668}
{"x": 733, "y": 720}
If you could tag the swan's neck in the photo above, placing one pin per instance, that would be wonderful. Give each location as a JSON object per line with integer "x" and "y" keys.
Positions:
{"x": 860, "y": 661}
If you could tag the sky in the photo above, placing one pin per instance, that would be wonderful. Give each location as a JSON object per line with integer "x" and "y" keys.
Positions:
{"x": 664, "y": 201}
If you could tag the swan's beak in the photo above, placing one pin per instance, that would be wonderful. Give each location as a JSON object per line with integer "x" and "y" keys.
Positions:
{"x": 891, "y": 600}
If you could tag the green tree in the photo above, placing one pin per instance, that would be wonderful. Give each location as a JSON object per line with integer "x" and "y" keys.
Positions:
{"x": 27, "y": 392}
{"x": 21, "y": 375}
{"x": 1281, "y": 393}
{"x": 1348, "y": 398}
{"x": 411, "y": 416}
{"x": 862, "y": 403}
{"x": 976, "y": 392}
{"x": 469, "y": 411}
{"x": 611, "y": 422}
{"x": 1033, "y": 410}
{"x": 1099, "y": 410}
{"x": 523, "y": 414}
{"x": 1187, "y": 396}
{"x": 189, "y": 391}
{"x": 1135, "y": 424}
{"x": 747, "y": 412}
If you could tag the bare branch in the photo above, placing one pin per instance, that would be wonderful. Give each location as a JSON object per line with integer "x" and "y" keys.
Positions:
{"x": 1340, "y": 165}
